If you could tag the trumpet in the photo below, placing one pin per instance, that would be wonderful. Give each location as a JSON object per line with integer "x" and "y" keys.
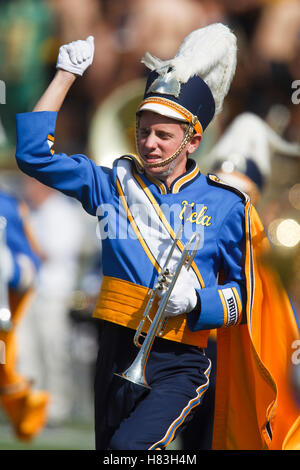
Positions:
{"x": 5, "y": 313}
{"x": 165, "y": 282}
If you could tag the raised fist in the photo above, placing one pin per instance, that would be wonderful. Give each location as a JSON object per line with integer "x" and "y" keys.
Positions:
{"x": 76, "y": 56}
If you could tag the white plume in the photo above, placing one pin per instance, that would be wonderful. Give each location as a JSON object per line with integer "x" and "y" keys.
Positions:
{"x": 251, "y": 137}
{"x": 208, "y": 52}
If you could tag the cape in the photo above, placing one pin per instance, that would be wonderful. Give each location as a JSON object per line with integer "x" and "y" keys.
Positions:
{"x": 255, "y": 403}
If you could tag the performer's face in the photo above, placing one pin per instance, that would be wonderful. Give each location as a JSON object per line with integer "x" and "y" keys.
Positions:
{"x": 158, "y": 138}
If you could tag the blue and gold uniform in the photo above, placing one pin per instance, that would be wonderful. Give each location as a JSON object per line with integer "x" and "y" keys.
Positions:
{"x": 122, "y": 198}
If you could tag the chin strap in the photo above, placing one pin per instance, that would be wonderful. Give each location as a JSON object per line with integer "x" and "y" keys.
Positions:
{"x": 186, "y": 138}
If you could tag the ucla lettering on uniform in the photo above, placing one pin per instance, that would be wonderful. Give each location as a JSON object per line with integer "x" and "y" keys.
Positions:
{"x": 198, "y": 216}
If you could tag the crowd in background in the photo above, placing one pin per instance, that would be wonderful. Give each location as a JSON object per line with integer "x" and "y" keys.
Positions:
{"x": 98, "y": 116}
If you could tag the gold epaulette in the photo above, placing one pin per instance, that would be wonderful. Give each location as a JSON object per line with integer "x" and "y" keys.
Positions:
{"x": 218, "y": 182}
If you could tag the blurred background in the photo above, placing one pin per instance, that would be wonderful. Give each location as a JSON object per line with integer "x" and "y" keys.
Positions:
{"x": 97, "y": 119}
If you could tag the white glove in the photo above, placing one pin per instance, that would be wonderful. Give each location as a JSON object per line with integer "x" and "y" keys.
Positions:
{"x": 76, "y": 56}
{"x": 6, "y": 264}
{"x": 184, "y": 297}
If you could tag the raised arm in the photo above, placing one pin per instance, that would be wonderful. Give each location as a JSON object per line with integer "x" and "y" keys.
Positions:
{"x": 55, "y": 94}
{"x": 73, "y": 60}
{"x": 76, "y": 175}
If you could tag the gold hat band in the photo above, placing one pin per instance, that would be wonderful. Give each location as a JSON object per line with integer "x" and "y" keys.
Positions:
{"x": 187, "y": 115}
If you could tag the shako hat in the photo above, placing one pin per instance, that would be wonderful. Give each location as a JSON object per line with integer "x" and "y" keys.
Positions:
{"x": 191, "y": 87}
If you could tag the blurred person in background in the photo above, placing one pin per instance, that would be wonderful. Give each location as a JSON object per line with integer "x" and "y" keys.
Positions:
{"x": 25, "y": 407}
{"x": 45, "y": 333}
{"x": 243, "y": 155}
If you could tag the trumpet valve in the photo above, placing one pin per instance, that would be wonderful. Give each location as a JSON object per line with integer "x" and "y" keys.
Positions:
{"x": 165, "y": 277}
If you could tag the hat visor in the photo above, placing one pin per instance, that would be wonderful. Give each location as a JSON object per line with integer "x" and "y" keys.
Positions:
{"x": 163, "y": 110}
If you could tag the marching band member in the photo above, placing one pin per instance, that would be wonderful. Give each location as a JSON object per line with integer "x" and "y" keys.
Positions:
{"x": 140, "y": 204}
{"x": 26, "y": 408}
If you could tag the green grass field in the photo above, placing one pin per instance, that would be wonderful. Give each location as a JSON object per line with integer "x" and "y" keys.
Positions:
{"x": 75, "y": 435}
